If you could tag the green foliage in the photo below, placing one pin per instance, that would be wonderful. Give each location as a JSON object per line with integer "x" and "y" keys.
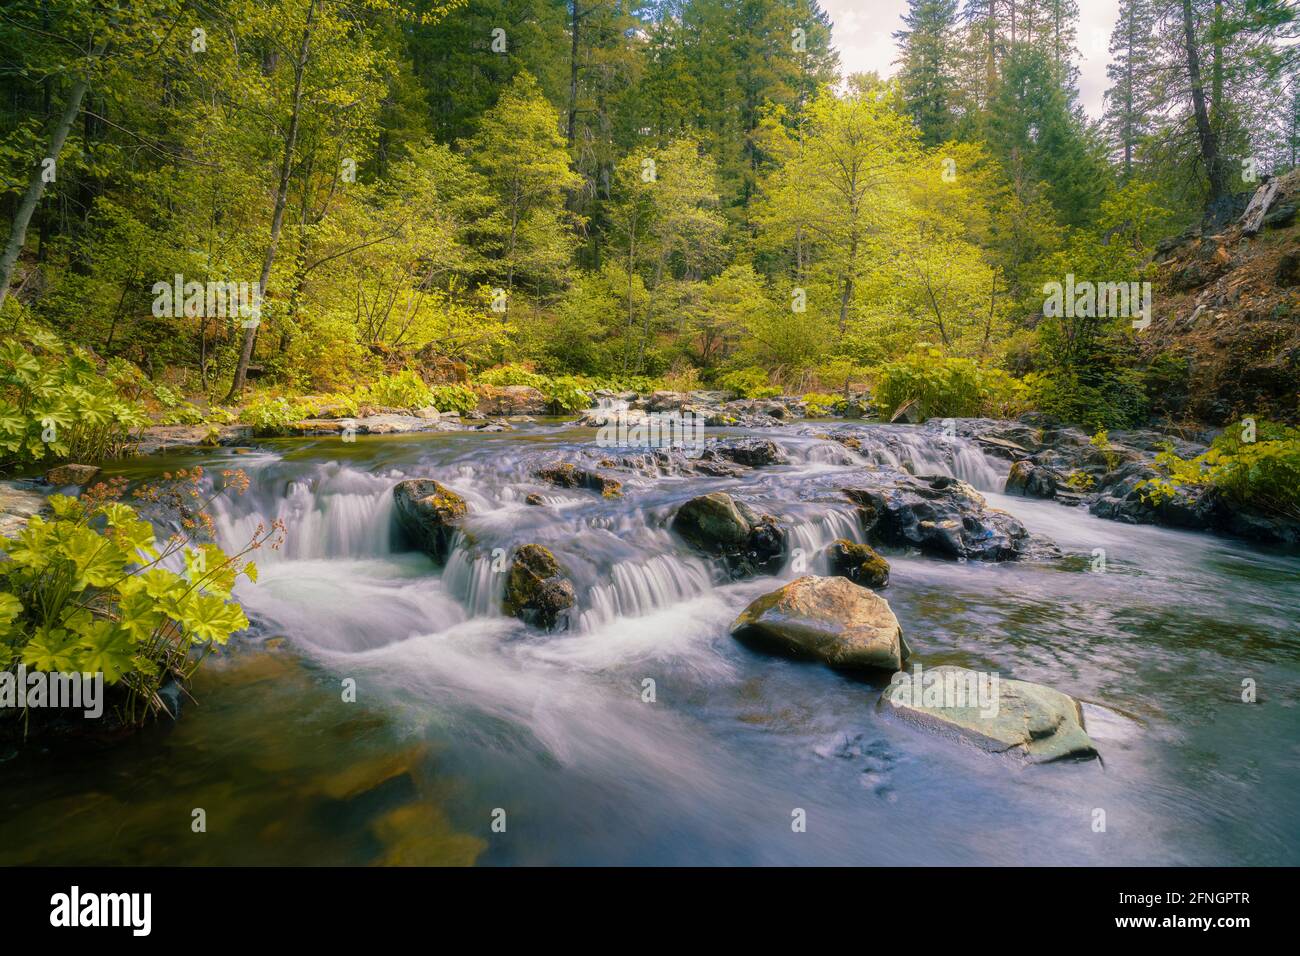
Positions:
{"x": 274, "y": 416}
{"x": 1111, "y": 397}
{"x": 89, "y": 591}
{"x": 404, "y": 390}
{"x": 511, "y": 375}
{"x": 453, "y": 398}
{"x": 56, "y": 405}
{"x": 820, "y": 404}
{"x": 1263, "y": 474}
{"x": 748, "y": 383}
{"x": 947, "y": 387}
{"x": 566, "y": 394}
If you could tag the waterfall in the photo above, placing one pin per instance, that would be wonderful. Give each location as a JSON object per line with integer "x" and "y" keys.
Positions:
{"x": 470, "y": 578}
{"x": 636, "y": 588}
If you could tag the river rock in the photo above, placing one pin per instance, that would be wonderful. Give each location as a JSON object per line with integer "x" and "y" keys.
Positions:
{"x": 750, "y": 452}
{"x": 1030, "y": 721}
{"x": 427, "y": 512}
{"x": 71, "y": 474}
{"x": 857, "y": 562}
{"x": 566, "y": 475}
{"x": 938, "y": 515}
{"x": 720, "y": 526}
{"x": 536, "y": 590}
{"x": 909, "y": 413}
{"x": 18, "y": 502}
{"x": 831, "y": 620}
{"x": 1032, "y": 481}
{"x": 511, "y": 400}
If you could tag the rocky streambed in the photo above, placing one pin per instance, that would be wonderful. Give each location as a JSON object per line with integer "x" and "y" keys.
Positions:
{"x": 651, "y": 655}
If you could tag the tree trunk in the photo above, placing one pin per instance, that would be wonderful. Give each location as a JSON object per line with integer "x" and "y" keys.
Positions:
{"x": 36, "y": 185}
{"x": 281, "y": 200}
{"x": 1206, "y": 137}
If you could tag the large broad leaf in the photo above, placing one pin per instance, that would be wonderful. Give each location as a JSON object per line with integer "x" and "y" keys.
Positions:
{"x": 212, "y": 619}
{"x": 52, "y": 649}
{"x": 108, "y": 650}
{"x": 10, "y": 608}
{"x": 98, "y": 560}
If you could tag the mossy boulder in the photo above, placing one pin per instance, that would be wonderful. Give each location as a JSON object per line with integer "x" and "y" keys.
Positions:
{"x": 565, "y": 475}
{"x": 831, "y": 620}
{"x": 427, "y": 512}
{"x": 1030, "y": 721}
{"x": 858, "y": 562}
{"x": 537, "y": 592}
{"x": 722, "y": 527}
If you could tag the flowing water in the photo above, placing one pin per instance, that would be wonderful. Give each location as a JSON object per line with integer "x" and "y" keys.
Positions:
{"x": 465, "y": 717}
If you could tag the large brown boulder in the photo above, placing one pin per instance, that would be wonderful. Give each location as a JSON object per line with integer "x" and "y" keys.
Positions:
{"x": 828, "y": 619}
{"x": 565, "y": 475}
{"x": 536, "y": 590}
{"x": 427, "y": 512}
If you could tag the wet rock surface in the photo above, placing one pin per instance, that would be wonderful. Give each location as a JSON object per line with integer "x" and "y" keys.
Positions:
{"x": 858, "y": 562}
{"x": 829, "y": 619}
{"x": 537, "y": 592}
{"x": 720, "y": 526}
{"x": 1030, "y": 721}
{"x": 427, "y": 512}
{"x": 938, "y": 515}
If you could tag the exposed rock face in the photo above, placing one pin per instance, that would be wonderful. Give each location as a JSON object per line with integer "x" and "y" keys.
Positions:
{"x": 511, "y": 400}
{"x": 750, "y": 452}
{"x": 427, "y": 512}
{"x": 831, "y": 620}
{"x": 565, "y": 475}
{"x": 857, "y": 562}
{"x": 536, "y": 590}
{"x": 718, "y": 525}
{"x": 1029, "y": 721}
{"x": 1032, "y": 481}
{"x": 940, "y": 516}
{"x": 70, "y": 474}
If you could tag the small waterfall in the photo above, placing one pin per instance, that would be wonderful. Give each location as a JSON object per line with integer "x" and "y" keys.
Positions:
{"x": 637, "y": 588}
{"x": 808, "y": 539}
{"x": 337, "y": 512}
{"x": 931, "y": 453}
{"x": 469, "y": 578}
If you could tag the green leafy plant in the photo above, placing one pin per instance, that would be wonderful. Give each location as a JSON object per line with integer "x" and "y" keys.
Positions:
{"x": 821, "y": 404}
{"x": 90, "y": 590}
{"x": 948, "y": 386}
{"x": 403, "y": 390}
{"x": 57, "y": 405}
{"x": 1263, "y": 474}
{"x": 453, "y": 398}
{"x": 504, "y": 375}
{"x": 748, "y": 383}
{"x": 274, "y": 416}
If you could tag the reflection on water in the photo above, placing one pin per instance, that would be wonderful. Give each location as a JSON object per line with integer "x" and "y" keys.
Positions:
{"x": 646, "y": 734}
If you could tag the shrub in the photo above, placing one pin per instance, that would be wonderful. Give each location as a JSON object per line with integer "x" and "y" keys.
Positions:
{"x": 567, "y": 393}
{"x": 948, "y": 387}
{"x": 1114, "y": 398}
{"x": 273, "y": 416}
{"x": 512, "y": 374}
{"x": 749, "y": 383}
{"x": 56, "y": 405}
{"x": 87, "y": 591}
{"x": 404, "y": 390}
{"x": 1263, "y": 474}
{"x": 453, "y": 398}
{"x": 820, "y": 404}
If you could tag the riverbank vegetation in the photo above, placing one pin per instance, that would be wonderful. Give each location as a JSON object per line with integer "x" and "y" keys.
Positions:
{"x": 621, "y": 194}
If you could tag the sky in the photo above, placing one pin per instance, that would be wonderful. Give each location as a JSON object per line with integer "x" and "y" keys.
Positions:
{"x": 864, "y": 36}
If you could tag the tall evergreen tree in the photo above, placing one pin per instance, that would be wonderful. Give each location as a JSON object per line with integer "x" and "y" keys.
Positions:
{"x": 925, "y": 73}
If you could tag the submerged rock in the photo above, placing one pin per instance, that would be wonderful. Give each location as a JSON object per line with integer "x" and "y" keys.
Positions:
{"x": 831, "y": 620}
{"x": 857, "y": 562}
{"x": 427, "y": 512}
{"x": 566, "y": 475}
{"x": 718, "y": 525}
{"x": 939, "y": 515}
{"x": 1026, "y": 720}
{"x": 536, "y": 590}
